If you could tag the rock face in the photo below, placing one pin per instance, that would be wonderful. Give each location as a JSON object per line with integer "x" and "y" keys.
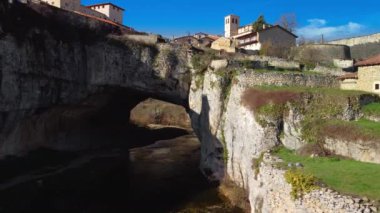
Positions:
{"x": 365, "y": 151}
{"x": 232, "y": 139}
{"x": 47, "y": 61}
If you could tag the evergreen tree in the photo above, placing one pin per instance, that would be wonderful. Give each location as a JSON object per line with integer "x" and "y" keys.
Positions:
{"x": 258, "y": 24}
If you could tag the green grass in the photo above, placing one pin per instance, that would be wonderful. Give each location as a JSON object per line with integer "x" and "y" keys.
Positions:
{"x": 346, "y": 176}
{"x": 372, "y": 109}
{"x": 370, "y": 127}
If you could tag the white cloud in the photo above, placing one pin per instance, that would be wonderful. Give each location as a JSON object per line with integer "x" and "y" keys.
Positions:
{"x": 318, "y": 27}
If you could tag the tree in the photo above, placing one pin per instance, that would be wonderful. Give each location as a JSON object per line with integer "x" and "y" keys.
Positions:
{"x": 259, "y": 23}
{"x": 303, "y": 41}
{"x": 288, "y": 21}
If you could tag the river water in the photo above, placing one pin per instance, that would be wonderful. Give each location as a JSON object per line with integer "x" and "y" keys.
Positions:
{"x": 145, "y": 176}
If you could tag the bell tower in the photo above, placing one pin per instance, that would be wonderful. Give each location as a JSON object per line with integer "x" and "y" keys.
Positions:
{"x": 231, "y": 25}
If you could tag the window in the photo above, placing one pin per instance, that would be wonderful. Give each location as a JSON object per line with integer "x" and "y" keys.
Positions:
{"x": 377, "y": 86}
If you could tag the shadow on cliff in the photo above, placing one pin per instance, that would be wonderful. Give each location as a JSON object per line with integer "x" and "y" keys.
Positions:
{"x": 213, "y": 151}
{"x": 94, "y": 178}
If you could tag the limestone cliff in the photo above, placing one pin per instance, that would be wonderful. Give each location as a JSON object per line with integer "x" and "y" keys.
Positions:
{"x": 233, "y": 135}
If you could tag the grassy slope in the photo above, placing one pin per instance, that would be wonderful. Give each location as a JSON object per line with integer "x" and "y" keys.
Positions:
{"x": 346, "y": 176}
{"x": 372, "y": 109}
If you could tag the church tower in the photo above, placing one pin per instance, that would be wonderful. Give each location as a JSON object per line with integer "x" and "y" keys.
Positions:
{"x": 231, "y": 25}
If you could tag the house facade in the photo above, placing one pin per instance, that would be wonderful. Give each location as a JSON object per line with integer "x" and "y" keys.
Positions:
{"x": 113, "y": 12}
{"x": 369, "y": 75}
{"x": 107, "y": 11}
{"x": 367, "y": 78}
{"x": 249, "y": 39}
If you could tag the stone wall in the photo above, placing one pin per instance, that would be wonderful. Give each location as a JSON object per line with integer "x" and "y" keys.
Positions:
{"x": 363, "y": 51}
{"x": 361, "y": 47}
{"x": 252, "y": 78}
{"x": 276, "y": 62}
{"x": 357, "y": 40}
{"x": 321, "y": 53}
{"x": 343, "y": 63}
{"x": 329, "y": 70}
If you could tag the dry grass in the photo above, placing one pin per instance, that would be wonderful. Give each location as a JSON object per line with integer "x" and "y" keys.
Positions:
{"x": 254, "y": 99}
{"x": 363, "y": 130}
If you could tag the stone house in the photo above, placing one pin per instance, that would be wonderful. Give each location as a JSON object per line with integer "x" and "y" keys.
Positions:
{"x": 187, "y": 40}
{"x": 249, "y": 39}
{"x": 197, "y": 40}
{"x": 348, "y": 81}
{"x": 369, "y": 74}
{"x": 225, "y": 44}
{"x": 106, "y": 11}
{"x": 367, "y": 77}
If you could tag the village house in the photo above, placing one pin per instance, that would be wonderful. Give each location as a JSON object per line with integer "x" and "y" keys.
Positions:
{"x": 367, "y": 77}
{"x": 249, "y": 39}
{"x": 197, "y": 40}
{"x": 106, "y": 11}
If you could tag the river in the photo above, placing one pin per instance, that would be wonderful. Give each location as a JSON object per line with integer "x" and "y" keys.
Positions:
{"x": 150, "y": 175}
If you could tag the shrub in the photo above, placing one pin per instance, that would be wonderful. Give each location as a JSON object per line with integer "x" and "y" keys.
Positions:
{"x": 301, "y": 183}
{"x": 201, "y": 61}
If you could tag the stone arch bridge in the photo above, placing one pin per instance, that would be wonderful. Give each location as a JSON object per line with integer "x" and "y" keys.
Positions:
{"x": 59, "y": 74}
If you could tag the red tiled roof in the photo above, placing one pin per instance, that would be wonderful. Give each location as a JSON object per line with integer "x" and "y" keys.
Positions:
{"x": 349, "y": 76}
{"x": 101, "y": 4}
{"x": 375, "y": 60}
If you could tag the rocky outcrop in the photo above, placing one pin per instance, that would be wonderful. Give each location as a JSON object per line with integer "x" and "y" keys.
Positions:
{"x": 50, "y": 60}
{"x": 365, "y": 151}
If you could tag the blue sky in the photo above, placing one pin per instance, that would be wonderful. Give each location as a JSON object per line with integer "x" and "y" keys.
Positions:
{"x": 333, "y": 18}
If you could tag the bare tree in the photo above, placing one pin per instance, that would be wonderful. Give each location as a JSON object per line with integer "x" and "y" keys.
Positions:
{"x": 288, "y": 21}
{"x": 304, "y": 41}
